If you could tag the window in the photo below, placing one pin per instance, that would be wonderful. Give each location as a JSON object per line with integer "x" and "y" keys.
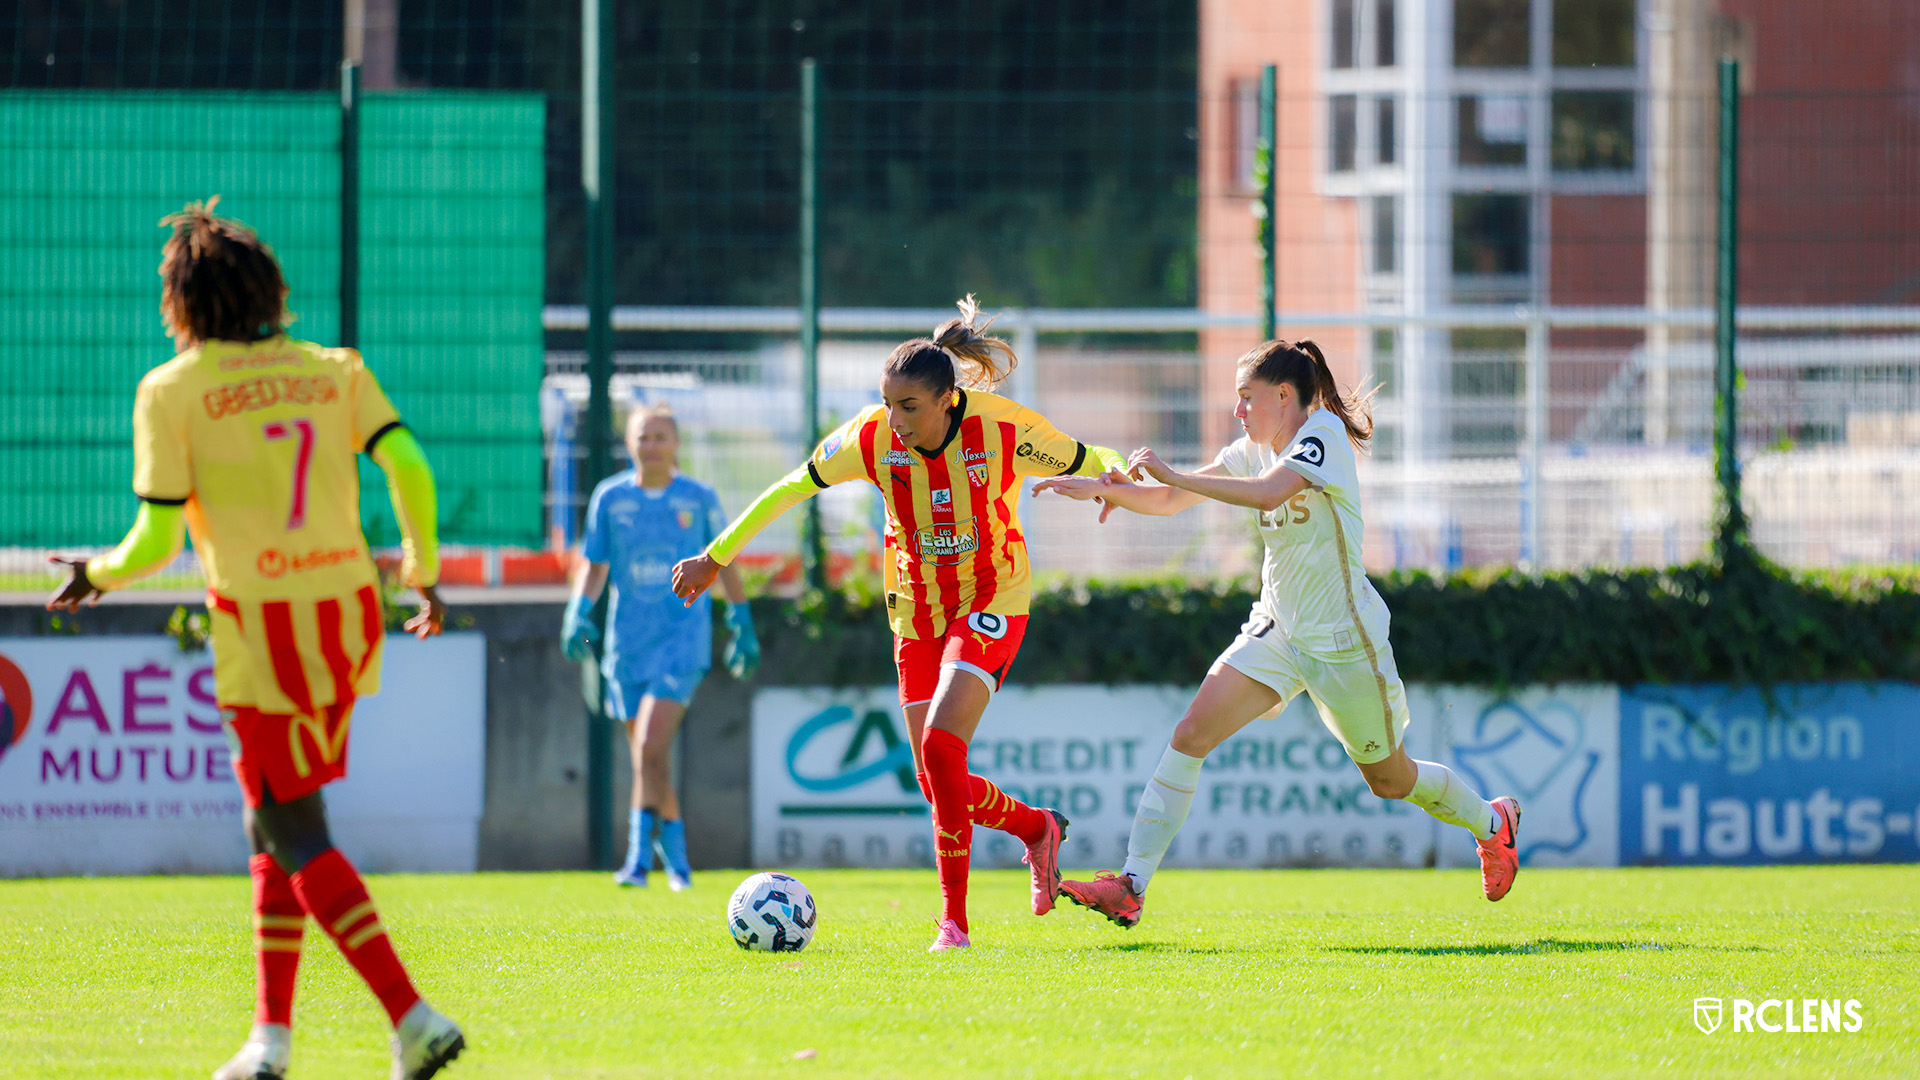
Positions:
{"x": 1385, "y": 362}
{"x": 1491, "y": 33}
{"x": 1342, "y": 132}
{"x": 1593, "y": 33}
{"x": 1386, "y": 147}
{"x": 1593, "y": 131}
{"x": 1490, "y": 129}
{"x": 1344, "y": 39}
{"x": 1386, "y": 234}
{"x": 1490, "y": 234}
{"x": 1383, "y": 43}
{"x": 1243, "y": 132}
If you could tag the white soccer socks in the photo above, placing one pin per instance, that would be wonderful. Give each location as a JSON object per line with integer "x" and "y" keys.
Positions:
{"x": 1162, "y": 810}
{"x": 1447, "y": 797}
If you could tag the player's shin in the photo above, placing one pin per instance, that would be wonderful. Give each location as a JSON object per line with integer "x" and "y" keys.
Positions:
{"x": 1163, "y": 809}
{"x": 992, "y": 808}
{"x": 331, "y": 891}
{"x": 1438, "y": 791}
{"x": 278, "y": 924}
{"x": 946, "y": 758}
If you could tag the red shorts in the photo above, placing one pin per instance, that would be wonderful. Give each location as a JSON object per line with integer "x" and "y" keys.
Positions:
{"x": 288, "y": 756}
{"x": 982, "y": 643}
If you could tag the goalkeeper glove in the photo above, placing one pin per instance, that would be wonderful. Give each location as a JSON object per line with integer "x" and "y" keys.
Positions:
{"x": 743, "y": 649}
{"x": 576, "y": 630}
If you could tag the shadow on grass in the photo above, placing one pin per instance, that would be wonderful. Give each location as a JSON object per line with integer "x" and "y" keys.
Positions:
{"x": 1171, "y": 946}
{"x": 1536, "y": 947}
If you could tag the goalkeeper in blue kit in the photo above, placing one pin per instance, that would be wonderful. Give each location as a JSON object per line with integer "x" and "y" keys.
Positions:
{"x": 657, "y": 649}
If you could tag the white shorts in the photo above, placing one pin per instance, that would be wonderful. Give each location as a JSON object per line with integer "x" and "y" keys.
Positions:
{"x": 1359, "y": 695}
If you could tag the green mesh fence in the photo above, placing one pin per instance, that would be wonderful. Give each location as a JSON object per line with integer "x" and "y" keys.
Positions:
{"x": 452, "y": 273}
{"x": 453, "y": 333}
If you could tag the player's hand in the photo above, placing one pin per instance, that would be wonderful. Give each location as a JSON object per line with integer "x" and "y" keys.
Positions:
{"x": 433, "y": 614}
{"x": 77, "y": 590}
{"x": 743, "y": 648}
{"x": 576, "y": 630}
{"x": 691, "y": 577}
{"x": 1086, "y": 487}
{"x": 1145, "y": 462}
{"x": 1080, "y": 488}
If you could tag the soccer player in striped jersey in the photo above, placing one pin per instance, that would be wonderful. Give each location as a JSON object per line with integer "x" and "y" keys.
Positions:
{"x": 947, "y": 456}
{"x": 247, "y": 440}
{"x": 1317, "y": 627}
{"x": 640, "y": 522}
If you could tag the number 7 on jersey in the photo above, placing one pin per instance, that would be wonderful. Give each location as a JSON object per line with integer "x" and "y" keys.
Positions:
{"x": 303, "y": 457}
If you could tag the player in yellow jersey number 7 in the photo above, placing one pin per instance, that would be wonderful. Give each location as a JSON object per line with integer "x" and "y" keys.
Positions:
{"x": 947, "y": 459}
{"x": 1318, "y": 626}
{"x": 248, "y": 440}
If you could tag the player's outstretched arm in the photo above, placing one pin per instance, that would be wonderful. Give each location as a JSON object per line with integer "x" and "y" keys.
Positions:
{"x": 694, "y": 576}
{"x": 158, "y": 534}
{"x": 416, "y": 506}
{"x": 1115, "y": 490}
{"x": 1264, "y": 492}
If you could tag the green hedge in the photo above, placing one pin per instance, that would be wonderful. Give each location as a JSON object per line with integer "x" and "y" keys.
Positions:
{"x": 1746, "y": 622}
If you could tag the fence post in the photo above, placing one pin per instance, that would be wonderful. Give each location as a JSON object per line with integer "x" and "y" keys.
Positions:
{"x": 1266, "y": 170}
{"x": 349, "y": 336}
{"x": 596, "y": 178}
{"x": 813, "y": 543}
{"x": 1726, "y": 373}
{"x": 1531, "y": 509}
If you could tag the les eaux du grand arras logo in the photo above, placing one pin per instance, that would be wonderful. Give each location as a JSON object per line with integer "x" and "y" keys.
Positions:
{"x": 16, "y": 705}
{"x": 1803, "y": 1016}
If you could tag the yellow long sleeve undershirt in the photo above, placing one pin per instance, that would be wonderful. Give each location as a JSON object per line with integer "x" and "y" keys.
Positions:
{"x": 158, "y": 534}
{"x": 160, "y": 530}
{"x": 415, "y": 505}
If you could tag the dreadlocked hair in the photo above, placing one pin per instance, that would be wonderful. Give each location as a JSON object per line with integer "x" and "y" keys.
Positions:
{"x": 1301, "y": 365}
{"x": 219, "y": 281}
{"x": 958, "y": 354}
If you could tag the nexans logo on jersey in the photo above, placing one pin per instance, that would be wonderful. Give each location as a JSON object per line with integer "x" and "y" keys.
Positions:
{"x": 947, "y": 545}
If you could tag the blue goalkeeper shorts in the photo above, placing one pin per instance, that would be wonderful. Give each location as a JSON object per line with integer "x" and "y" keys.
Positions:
{"x": 623, "y": 695}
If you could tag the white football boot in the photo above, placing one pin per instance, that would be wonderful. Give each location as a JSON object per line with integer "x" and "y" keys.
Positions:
{"x": 424, "y": 1042}
{"x": 263, "y": 1056}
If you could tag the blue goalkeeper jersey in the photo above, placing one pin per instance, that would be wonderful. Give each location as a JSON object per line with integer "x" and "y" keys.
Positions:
{"x": 640, "y": 534}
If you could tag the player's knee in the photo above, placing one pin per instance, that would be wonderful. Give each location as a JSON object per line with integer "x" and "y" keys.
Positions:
{"x": 1190, "y": 737}
{"x": 1389, "y": 787}
{"x": 656, "y": 755}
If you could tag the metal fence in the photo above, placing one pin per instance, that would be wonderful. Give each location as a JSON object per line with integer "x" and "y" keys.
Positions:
{"x": 1549, "y": 467}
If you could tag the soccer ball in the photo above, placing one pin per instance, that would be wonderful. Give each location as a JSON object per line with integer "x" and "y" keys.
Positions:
{"x": 771, "y": 913}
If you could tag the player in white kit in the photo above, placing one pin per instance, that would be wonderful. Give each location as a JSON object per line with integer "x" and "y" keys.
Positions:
{"x": 1317, "y": 627}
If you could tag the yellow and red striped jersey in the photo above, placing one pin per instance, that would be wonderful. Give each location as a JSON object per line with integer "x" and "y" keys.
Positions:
{"x": 258, "y": 440}
{"x": 954, "y": 544}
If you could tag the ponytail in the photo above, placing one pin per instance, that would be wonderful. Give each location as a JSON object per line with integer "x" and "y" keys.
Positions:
{"x": 1303, "y": 366}
{"x": 958, "y": 354}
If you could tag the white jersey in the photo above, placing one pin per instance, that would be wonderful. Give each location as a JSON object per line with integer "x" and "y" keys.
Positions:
{"x": 1312, "y": 584}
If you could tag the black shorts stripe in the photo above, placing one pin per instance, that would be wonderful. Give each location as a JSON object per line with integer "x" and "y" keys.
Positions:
{"x": 158, "y": 501}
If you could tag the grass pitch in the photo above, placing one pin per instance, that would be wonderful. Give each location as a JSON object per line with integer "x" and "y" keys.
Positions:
{"x": 1233, "y": 973}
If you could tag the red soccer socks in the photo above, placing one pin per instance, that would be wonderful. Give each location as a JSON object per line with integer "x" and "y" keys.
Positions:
{"x": 332, "y": 892}
{"x": 278, "y": 923}
{"x": 995, "y": 809}
{"x": 947, "y": 779}
{"x": 991, "y": 808}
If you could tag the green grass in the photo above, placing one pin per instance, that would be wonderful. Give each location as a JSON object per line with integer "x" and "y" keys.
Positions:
{"x": 1233, "y": 973}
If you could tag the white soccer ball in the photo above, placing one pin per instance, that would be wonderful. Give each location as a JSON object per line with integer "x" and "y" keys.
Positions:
{"x": 771, "y": 913}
